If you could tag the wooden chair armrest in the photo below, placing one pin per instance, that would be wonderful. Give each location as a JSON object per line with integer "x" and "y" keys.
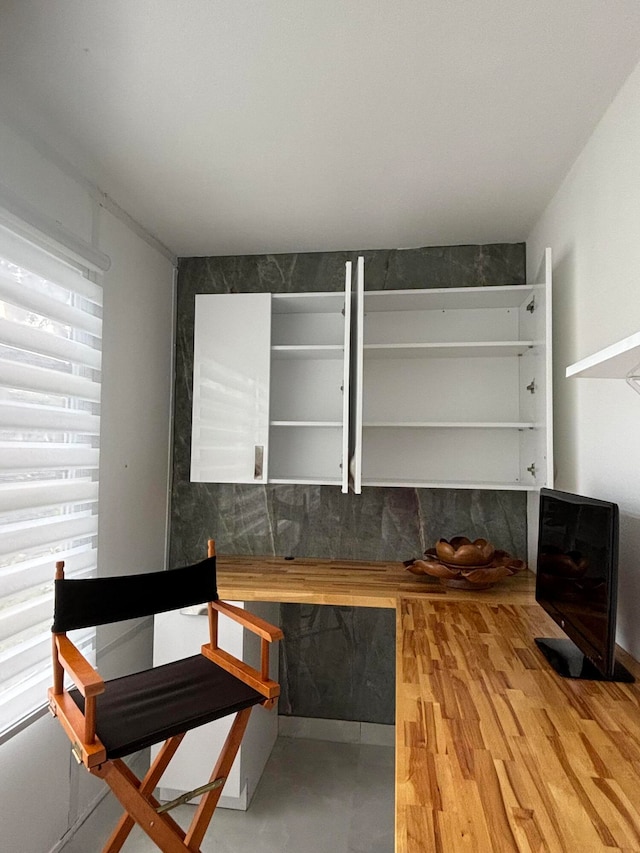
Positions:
{"x": 269, "y": 689}
{"x": 90, "y": 751}
{"x": 249, "y": 620}
{"x": 84, "y": 676}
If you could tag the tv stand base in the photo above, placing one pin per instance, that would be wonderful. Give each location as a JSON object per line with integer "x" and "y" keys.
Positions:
{"x": 567, "y": 660}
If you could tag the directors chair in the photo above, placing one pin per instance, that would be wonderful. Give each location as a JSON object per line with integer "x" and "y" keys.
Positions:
{"x": 106, "y": 721}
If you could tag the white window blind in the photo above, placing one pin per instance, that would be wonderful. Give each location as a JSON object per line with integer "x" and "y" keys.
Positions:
{"x": 50, "y": 358}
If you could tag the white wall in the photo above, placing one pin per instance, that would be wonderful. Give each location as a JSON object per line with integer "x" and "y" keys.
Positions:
{"x": 593, "y": 226}
{"x": 41, "y": 790}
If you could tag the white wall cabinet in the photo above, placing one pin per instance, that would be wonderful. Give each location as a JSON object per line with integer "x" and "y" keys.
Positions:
{"x": 446, "y": 387}
{"x": 271, "y": 388}
{"x": 178, "y": 635}
{"x": 452, "y": 387}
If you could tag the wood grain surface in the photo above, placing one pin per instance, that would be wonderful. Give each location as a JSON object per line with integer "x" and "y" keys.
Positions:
{"x": 495, "y": 751}
{"x": 346, "y": 582}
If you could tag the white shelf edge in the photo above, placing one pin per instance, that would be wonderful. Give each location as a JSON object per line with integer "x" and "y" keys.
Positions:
{"x": 457, "y": 349}
{"x": 304, "y": 481}
{"x": 451, "y": 344}
{"x": 443, "y": 291}
{"x": 449, "y": 484}
{"x": 307, "y": 351}
{"x": 333, "y": 424}
{"x": 613, "y": 362}
{"x": 451, "y": 425}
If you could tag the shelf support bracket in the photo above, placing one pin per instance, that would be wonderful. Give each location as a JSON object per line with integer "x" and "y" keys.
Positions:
{"x": 633, "y": 378}
{"x": 531, "y": 307}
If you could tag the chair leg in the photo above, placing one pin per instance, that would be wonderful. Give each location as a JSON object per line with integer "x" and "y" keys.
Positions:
{"x": 209, "y": 801}
{"x": 147, "y": 786}
{"x": 161, "y": 828}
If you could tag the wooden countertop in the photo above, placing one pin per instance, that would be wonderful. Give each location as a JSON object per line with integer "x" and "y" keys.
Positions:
{"x": 495, "y": 752}
{"x": 345, "y": 582}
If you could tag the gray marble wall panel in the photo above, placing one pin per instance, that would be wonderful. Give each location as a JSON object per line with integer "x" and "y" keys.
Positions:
{"x": 335, "y": 662}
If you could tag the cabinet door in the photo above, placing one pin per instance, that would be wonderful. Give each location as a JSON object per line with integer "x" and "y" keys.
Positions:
{"x": 231, "y": 365}
{"x": 358, "y": 376}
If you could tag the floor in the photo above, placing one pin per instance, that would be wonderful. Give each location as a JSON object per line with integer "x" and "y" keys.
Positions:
{"x": 314, "y": 797}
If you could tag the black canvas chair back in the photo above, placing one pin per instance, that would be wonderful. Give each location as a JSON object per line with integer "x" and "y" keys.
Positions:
{"x": 106, "y": 721}
{"x": 98, "y": 601}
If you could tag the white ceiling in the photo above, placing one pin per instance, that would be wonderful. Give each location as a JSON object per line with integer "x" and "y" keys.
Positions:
{"x": 246, "y": 126}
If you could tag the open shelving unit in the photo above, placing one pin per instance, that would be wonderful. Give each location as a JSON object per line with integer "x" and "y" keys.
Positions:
{"x": 309, "y": 389}
{"x": 452, "y": 386}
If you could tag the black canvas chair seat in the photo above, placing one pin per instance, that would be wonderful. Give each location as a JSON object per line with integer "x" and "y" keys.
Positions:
{"x": 142, "y": 709}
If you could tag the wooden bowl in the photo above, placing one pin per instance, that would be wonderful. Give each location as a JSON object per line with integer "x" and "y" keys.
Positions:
{"x": 462, "y": 553}
{"x": 501, "y": 566}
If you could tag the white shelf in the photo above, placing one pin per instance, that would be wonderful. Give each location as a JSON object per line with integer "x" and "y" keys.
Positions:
{"x": 300, "y": 480}
{"x": 307, "y": 303}
{"x": 449, "y": 425}
{"x": 450, "y": 484}
{"x": 612, "y": 362}
{"x": 449, "y": 298}
{"x": 471, "y": 349}
{"x": 334, "y": 351}
{"x": 306, "y": 424}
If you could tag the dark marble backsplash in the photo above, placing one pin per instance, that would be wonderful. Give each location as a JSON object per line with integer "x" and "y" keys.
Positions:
{"x": 335, "y": 662}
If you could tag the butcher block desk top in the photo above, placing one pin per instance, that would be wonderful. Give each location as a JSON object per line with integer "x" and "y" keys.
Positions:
{"x": 345, "y": 582}
{"x": 495, "y": 752}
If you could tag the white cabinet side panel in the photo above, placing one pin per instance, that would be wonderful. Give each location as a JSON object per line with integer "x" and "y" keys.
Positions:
{"x": 262, "y": 730}
{"x": 178, "y": 636}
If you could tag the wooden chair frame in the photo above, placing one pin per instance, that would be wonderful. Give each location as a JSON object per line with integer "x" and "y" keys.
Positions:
{"x": 136, "y": 795}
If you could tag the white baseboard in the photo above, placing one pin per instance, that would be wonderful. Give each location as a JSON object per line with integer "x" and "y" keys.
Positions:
{"x": 338, "y": 731}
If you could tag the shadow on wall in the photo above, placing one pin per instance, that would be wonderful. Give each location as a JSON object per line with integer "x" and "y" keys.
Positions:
{"x": 565, "y": 391}
{"x": 629, "y": 584}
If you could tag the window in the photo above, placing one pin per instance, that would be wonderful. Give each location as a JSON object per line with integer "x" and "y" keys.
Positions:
{"x": 50, "y": 355}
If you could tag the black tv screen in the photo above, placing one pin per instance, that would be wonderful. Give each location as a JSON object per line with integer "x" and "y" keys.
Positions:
{"x": 576, "y": 583}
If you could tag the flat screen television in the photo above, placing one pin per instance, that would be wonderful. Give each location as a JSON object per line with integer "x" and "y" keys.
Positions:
{"x": 577, "y": 583}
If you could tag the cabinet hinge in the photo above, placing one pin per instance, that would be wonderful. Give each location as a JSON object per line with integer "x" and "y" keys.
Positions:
{"x": 531, "y": 307}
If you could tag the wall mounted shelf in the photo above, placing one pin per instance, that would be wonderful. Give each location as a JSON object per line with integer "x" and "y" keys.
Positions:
{"x": 617, "y": 361}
